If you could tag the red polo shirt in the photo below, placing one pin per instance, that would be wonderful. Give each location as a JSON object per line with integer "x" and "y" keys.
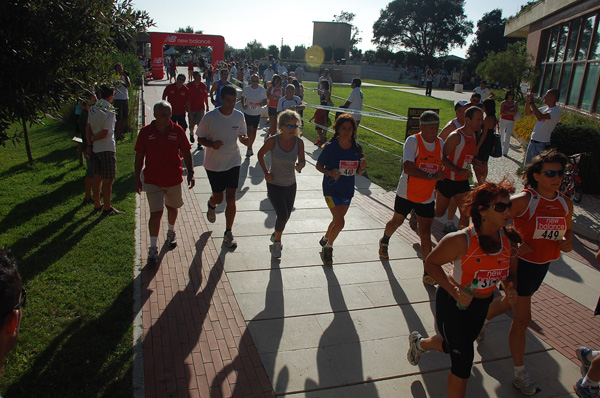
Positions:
{"x": 198, "y": 96}
{"x": 177, "y": 97}
{"x": 162, "y": 152}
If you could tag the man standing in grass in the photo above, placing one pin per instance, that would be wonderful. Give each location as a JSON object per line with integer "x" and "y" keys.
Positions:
{"x": 355, "y": 100}
{"x": 12, "y": 300}
{"x": 159, "y": 145}
{"x": 100, "y": 133}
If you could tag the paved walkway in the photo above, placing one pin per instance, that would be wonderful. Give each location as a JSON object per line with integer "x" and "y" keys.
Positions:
{"x": 219, "y": 323}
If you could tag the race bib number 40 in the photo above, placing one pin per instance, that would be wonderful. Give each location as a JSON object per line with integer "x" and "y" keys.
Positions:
{"x": 551, "y": 228}
{"x": 489, "y": 278}
{"x": 348, "y": 167}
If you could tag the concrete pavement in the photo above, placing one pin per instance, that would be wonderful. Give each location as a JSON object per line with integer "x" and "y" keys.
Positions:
{"x": 238, "y": 323}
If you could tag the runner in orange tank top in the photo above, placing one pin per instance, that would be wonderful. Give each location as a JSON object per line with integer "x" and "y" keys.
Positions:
{"x": 459, "y": 150}
{"x": 422, "y": 168}
{"x": 484, "y": 255}
{"x": 543, "y": 216}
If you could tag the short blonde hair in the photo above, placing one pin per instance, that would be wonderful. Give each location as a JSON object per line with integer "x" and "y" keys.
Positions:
{"x": 285, "y": 117}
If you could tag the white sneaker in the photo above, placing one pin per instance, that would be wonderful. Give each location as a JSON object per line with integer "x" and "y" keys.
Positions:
{"x": 229, "y": 240}
{"x": 276, "y": 251}
{"x": 414, "y": 352}
{"x": 523, "y": 381}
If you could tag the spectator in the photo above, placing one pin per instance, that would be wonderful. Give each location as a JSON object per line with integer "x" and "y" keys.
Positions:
{"x": 13, "y": 298}
{"x": 121, "y": 101}
{"x": 355, "y": 100}
{"x": 483, "y": 91}
{"x": 547, "y": 119}
{"x": 100, "y": 132}
{"x": 90, "y": 99}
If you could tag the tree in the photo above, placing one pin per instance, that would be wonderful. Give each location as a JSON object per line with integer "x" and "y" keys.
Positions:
{"x": 255, "y": 50}
{"x": 355, "y": 38}
{"x": 488, "y": 38}
{"x": 427, "y": 27}
{"x": 126, "y": 24}
{"x": 509, "y": 67}
{"x": 299, "y": 52}
{"x": 57, "y": 50}
{"x": 274, "y": 51}
{"x": 286, "y": 52}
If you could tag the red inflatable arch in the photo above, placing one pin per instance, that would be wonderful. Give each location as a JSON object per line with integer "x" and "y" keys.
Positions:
{"x": 158, "y": 39}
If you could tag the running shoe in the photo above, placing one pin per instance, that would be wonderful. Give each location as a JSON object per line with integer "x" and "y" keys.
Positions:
{"x": 383, "y": 249}
{"x": 211, "y": 213}
{"x": 327, "y": 255}
{"x": 276, "y": 251}
{"x": 523, "y": 381}
{"x": 152, "y": 254}
{"x": 323, "y": 241}
{"x": 449, "y": 228}
{"x": 229, "y": 240}
{"x": 414, "y": 352}
{"x": 582, "y": 354}
{"x": 428, "y": 280}
{"x": 171, "y": 238}
{"x": 587, "y": 391}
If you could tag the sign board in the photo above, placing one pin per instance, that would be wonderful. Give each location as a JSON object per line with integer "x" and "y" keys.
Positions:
{"x": 413, "y": 115}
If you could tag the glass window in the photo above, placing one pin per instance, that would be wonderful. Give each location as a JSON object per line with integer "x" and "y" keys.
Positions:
{"x": 595, "y": 50}
{"x": 586, "y": 37}
{"x": 576, "y": 83}
{"x": 562, "y": 40}
{"x": 546, "y": 79}
{"x": 555, "y": 76}
{"x": 564, "y": 82}
{"x": 552, "y": 49}
{"x": 572, "y": 44}
{"x": 591, "y": 80}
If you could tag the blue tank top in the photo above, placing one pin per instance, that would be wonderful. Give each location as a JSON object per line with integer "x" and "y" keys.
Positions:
{"x": 221, "y": 84}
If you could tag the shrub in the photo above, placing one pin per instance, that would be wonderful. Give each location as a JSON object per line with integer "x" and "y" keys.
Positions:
{"x": 571, "y": 138}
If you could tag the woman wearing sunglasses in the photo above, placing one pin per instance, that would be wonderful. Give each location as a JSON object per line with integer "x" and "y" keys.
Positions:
{"x": 483, "y": 256}
{"x": 286, "y": 147}
{"x": 543, "y": 217}
{"x": 341, "y": 159}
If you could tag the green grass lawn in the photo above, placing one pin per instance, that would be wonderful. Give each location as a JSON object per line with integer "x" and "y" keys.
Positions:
{"x": 385, "y": 83}
{"x": 76, "y": 333}
{"x": 383, "y": 169}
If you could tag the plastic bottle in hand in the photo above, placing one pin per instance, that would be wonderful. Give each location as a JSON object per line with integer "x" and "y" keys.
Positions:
{"x": 471, "y": 289}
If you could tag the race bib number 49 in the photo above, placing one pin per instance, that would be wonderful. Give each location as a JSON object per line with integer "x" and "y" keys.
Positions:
{"x": 552, "y": 228}
{"x": 348, "y": 167}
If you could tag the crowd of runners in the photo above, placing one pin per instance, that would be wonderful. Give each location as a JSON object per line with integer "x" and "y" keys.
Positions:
{"x": 504, "y": 239}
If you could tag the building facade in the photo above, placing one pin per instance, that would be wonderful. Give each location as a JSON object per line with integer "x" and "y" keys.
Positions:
{"x": 564, "y": 38}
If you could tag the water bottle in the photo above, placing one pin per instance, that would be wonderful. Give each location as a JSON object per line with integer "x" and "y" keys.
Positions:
{"x": 471, "y": 289}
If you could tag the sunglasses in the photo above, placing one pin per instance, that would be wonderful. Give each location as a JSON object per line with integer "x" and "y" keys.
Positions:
{"x": 291, "y": 126}
{"x": 20, "y": 304}
{"x": 554, "y": 173}
{"x": 254, "y": 81}
{"x": 500, "y": 207}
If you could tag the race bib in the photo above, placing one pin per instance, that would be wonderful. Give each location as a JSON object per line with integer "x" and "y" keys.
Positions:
{"x": 489, "y": 278}
{"x": 468, "y": 161}
{"x": 348, "y": 167}
{"x": 551, "y": 228}
{"x": 429, "y": 167}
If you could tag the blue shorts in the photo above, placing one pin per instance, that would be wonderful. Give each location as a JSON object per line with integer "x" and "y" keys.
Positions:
{"x": 333, "y": 201}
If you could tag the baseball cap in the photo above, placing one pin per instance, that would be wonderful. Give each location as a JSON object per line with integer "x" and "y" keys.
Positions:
{"x": 460, "y": 104}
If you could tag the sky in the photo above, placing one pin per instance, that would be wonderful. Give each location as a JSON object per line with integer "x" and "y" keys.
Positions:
{"x": 270, "y": 24}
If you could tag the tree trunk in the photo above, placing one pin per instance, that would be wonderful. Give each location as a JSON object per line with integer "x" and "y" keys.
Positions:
{"x": 27, "y": 146}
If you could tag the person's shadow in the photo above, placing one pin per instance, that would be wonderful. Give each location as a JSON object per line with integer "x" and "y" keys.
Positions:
{"x": 340, "y": 364}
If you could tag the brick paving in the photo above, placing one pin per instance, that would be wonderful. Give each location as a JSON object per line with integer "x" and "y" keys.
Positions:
{"x": 558, "y": 320}
{"x": 196, "y": 343}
